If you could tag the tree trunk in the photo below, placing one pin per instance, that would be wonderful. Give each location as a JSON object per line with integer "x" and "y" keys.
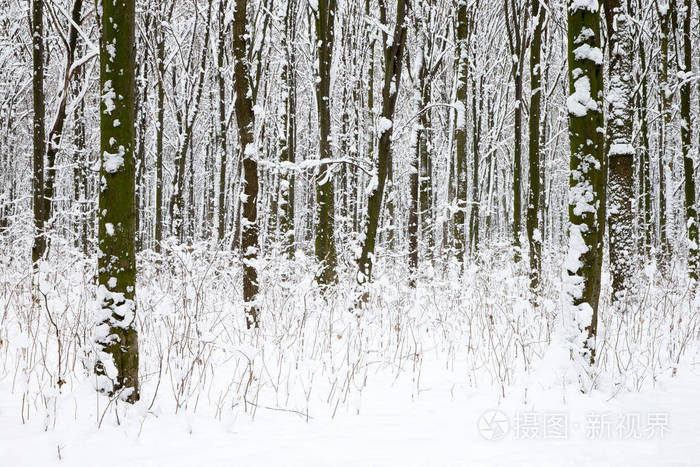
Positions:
{"x": 587, "y": 176}
{"x": 246, "y": 127}
{"x": 325, "y": 196}
{"x": 116, "y": 336}
{"x": 461, "y": 130}
{"x": 39, "y": 245}
{"x": 223, "y": 123}
{"x": 393, "y": 61}
{"x": 534, "y": 231}
{"x": 620, "y": 152}
{"x": 666, "y": 97}
{"x": 686, "y": 131}
{"x": 160, "y": 59}
{"x": 288, "y": 133}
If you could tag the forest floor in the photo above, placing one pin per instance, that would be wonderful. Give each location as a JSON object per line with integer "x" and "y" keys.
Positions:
{"x": 462, "y": 371}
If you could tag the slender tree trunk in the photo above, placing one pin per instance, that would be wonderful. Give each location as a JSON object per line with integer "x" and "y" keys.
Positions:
{"x": 476, "y": 154}
{"x": 414, "y": 207}
{"x": 686, "y": 132}
{"x": 140, "y": 110}
{"x": 223, "y": 123}
{"x": 534, "y": 231}
{"x": 425, "y": 171}
{"x": 393, "y": 60}
{"x": 39, "y": 245}
{"x": 116, "y": 336}
{"x": 666, "y": 97}
{"x": 249, "y": 154}
{"x": 160, "y": 59}
{"x": 325, "y": 196}
{"x": 56, "y": 132}
{"x": 461, "y": 130}
{"x": 517, "y": 48}
{"x": 645, "y": 176}
{"x": 287, "y": 157}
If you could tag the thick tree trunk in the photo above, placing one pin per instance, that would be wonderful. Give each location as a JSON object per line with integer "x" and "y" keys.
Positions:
{"x": 620, "y": 152}
{"x": 116, "y": 336}
{"x": 587, "y": 176}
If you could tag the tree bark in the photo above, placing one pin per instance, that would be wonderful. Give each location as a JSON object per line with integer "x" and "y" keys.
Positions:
{"x": 325, "y": 197}
{"x": 393, "y": 62}
{"x": 461, "y": 130}
{"x": 587, "y": 175}
{"x": 246, "y": 127}
{"x": 534, "y": 231}
{"x": 620, "y": 152}
{"x": 116, "y": 336}
{"x": 686, "y": 131}
{"x": 39, "y": 245}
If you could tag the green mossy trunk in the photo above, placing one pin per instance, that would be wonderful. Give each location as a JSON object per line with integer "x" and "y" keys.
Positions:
{"x": 116, "y": 234}
{"x": 587, "y": 171}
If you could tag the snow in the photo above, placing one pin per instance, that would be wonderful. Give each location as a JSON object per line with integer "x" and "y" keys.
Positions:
{"x": 401, "y": 385}
{"x": 113, "y": 161}
{"x": 586, "y": 52}
{"x": 439, "y": 429}
{"x": 590, "y": 5}
{"x": 108, "y": 96}
{"x": 580, "y": 102}
{"x": 621, "y": 149}
{"x": 383, "y": 125}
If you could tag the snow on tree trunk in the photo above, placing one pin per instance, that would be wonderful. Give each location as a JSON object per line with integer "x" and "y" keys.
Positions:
{"x": 246, "y": 126}
{"x": 461, "y": 130}
{"x": 688, "y": 163}
{"x": 39, "y": 245}
{"x": 393, "y": 61}
{"x": 587, "y": 176}
{"x": 534, "y": 235}
{"x": 115, "y": 335}
{"x": 621, "y": 186}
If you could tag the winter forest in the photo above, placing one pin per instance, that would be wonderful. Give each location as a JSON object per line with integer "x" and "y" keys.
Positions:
{"x": 349, "y": 232}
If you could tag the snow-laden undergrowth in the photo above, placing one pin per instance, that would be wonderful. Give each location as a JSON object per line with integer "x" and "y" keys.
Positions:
{"x": 315, "y": 354}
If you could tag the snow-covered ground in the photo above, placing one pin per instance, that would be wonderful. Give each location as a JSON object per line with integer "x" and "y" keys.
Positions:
{"x": 461, "y": 372}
